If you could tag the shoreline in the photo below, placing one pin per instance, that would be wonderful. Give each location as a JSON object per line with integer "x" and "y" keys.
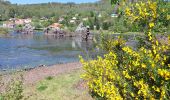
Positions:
{"x": 33, "y": 75}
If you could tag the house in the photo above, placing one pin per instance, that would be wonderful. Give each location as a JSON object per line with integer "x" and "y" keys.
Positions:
{"x": 61, "y": 19}
{"x": 100, "y": 15}
{"x": 44, "y": 18}
{"x": 114, "y": 15}
{"x": 28, "y": 20}
{"x": 12, "y": 19}
{"x": 74, "y": 18}
{"x": 56, "y": 25}
{"x": 76, "y": 14}
{"x": 72, "y": 21}
{"x": 8, "y": 24}
{"x": 19, "y": 21}
{"x": 85, "y": 19}
{"x": 23, "y": 21}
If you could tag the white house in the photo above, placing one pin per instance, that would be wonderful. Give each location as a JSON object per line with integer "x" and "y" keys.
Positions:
{"x": 61, "y": 20}
{"x": 72, "y": 21}
{"x": 8, "y": 24}
{"x": 85, "y": 19}
{"x": 74, "y": 18}
{"x": 100, "y": 15}
{"x": 114, "y": 15}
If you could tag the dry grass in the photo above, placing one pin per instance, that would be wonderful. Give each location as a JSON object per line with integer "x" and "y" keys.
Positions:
{"x": 60, "y": 87}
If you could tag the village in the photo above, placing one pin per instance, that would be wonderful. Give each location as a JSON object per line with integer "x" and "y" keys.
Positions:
{"x": 75, "y": 27}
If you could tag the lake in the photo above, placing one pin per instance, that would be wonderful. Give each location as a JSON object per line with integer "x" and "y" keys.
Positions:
{"x": 22, "y": 51}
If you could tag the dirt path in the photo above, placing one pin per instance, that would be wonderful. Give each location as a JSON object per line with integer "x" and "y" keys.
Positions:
{"x": 39, "y": 73}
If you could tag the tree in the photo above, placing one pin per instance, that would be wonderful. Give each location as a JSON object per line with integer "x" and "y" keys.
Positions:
{"x": 12, "y": 12}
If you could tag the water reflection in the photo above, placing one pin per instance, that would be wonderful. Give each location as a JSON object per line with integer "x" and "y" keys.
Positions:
{"x": 28, "y": 50}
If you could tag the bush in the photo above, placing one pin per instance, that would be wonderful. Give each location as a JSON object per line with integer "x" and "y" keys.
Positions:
{"x": 130, "y": 74}
{"x": 42, "y": 87}
{"x": 118, "y": 25}
{"x": 3, "y": 31}
{"x": 126, "y": 73}
{"x": 14, "y": 90}
{"x": 49, "y": 78}
{"x": 105, "y": 25}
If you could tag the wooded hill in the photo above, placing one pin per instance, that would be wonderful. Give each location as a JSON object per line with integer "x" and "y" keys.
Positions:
{"x": 8, "y": 10}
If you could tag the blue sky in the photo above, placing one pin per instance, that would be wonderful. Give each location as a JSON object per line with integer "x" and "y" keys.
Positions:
{"x": 46, "y": 1}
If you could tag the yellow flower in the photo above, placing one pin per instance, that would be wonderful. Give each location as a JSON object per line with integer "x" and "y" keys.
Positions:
{"x": 164, "y": 73}
{"x": 151, "y": 25}
{"x": 132, "y": 94}
{"x": 143, "y": 65}
{"x": 149, "y": 33}
{"x": 168, "y": 17}
{"x": 150, "y": 38}
{"x": 154, "y": 51}
{"x": 153, "y": 65}
{"x": 125, "y": 73}
{"x": 157, "y": 43}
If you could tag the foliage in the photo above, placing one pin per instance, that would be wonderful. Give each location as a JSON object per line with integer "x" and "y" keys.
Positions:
{"x": 19, "y": 27}
{"x": 118, "y": 25}
{"x": 52, "y": 9}
{"x": 150, "y": 12}
{"x": 132, "y": 73}
{"x": 3, "y": 31}
{"x": 14, "y": 90}
{"x": 49, "y": 78}
{"x": 106, "y": 25}
{"x": 42, "y": 88}
{"x": 62, "y": 87}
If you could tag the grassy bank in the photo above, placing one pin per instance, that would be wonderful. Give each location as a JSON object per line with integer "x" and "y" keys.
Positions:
{"x": 65, "y": 86}
{"x": 3, "y": 31}
{"x": 61, "y": 87}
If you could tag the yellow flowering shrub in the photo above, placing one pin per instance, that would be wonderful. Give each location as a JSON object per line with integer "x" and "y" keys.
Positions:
{"x": 126, "y": 73}
{"x": 149, "y": 13}
{"x": 143, "y": 74}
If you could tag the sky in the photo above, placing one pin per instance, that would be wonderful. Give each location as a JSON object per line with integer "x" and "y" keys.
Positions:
{"x": 46, "y": 1}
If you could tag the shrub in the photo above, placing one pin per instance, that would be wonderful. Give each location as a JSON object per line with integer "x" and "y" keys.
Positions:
{"x": 105, "y": 25}
{"x": 119, "y": 25}
{"x": 14, "y": 90}
{"x": 42, "y": 87}
{"x": 3, "y": 31}
{"x": 130, "y": 74}
{"x": 49, "y": 78}
{"x": 126, "y": 73}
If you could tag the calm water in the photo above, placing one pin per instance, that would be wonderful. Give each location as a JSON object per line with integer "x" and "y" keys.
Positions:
{"x": 25, "y": 51}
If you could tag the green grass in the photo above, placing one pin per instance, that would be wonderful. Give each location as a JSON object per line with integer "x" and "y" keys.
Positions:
{"x": 42, "y": 87}
{"x": 1, "y": 97}
{"x": 1, "y": 22}
{"x": 49, "y": 78}
{"x": 3, "y": 31}
{"x": 61, "y": 87}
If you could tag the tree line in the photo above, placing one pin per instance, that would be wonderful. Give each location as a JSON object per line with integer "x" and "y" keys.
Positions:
{"x": 51, "y": 9}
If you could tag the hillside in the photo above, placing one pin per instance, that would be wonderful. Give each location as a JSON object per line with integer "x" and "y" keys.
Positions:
{"x": 8, "y": 10}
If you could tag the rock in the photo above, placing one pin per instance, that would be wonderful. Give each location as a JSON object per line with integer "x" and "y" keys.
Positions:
{"x": 28, "y": 29}
{"x": 42, "y": 66}
{"x": 83, "y": 32}
{"x": 28, "y": 69}
{"x": 55, "y": 31}
{"x": 81, "y": 29}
